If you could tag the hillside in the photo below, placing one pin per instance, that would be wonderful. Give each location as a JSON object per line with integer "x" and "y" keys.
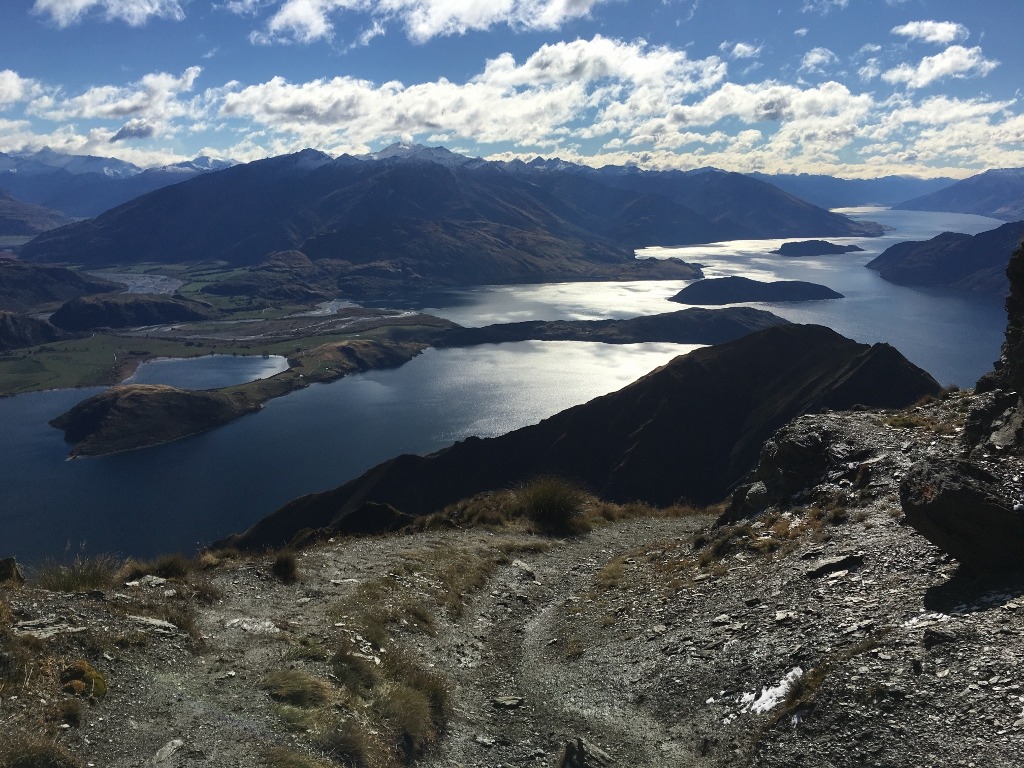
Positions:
{"x": 996, "y": 193}
{"x": 637, "y": 443}
{"x": 21, "y": 218}
{"x": 972, "y": 263}
{"x": 17, "y": 331}
{"x": 379, "y": 224}
{"x": 25, "y": 286}
{"x": 127, "y": 310}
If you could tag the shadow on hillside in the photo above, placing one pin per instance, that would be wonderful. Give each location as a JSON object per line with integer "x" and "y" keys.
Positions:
{"x": 967, "y": 591}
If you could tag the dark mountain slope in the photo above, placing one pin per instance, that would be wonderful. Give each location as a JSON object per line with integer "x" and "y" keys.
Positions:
{"x": 17, "y": 331}
{"x": 127, "y": 310}
{"x": 997, "y": 193}
{"x": 24, "y": 286}
{"x": 21, "y": 218}
{"x": 975, "y": 263}
{"x": 690, "y": 429}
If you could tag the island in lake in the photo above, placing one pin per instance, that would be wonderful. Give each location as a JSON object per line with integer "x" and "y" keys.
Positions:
{"x": 733, "y": 290}
{"x": 814, "y": 248}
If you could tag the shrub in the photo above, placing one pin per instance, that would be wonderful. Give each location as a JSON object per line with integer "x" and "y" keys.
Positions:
{"x": 285, "y": 566}
{"x": 554, "y": 505}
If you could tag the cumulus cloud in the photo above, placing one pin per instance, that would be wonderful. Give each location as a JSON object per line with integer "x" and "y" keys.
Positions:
{"x": 15, "y": 88}
{"x": 816, "y": 59}
{"x": 740, "y": 50}
{"x": 955, "y": 61}
{"x": 944, "y": 32}
{"x": 306, "y": 21}
{"x": 152, "y": 106}
{"x": 135, "y": 128}
{"x": 132, "y": 12}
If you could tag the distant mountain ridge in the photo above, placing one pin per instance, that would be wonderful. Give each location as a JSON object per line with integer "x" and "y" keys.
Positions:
{"x": 81, "y": 185}
{"x": 997, "y": 193}
{"x": 973, "y": 263}
{"x": 418, "y": 216}
{"x": 833, "y": 192}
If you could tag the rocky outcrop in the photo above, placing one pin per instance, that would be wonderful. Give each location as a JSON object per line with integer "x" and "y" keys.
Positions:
{"x": 139, "y": 415}
{"x": 964, "y": 510}
{"x": 128, "y": 310}
{"x": 731, "y": 290}
{"x": 689, "y": 430}
{"x": 685, "y": 326}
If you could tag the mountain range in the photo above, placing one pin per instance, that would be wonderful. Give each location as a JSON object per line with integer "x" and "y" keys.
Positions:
{"x": 832, "y": 192}
{"x": 401, "y": 220}
{"x": 689, "y": 430}
{"x": 22, "y": 219}
{"x": 997, "y": 193}
{"x": 81, "y": 186}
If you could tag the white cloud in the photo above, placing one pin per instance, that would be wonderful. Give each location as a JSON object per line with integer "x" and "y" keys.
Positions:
{"x": 816, "y": 59}
{"x": 955, "y": 61}
{"x": 740, "y": 50}
{"x": 802, "y": 32}
{"x": 870, "y": 70}
{"x": 132, "y": 12}
{"x": 15, "y": 88}
{"x": 823, "y": 6}
{"x": 149, "y": 105}
{"x": 944, "y": 32}
{"x": 306, "y": 21}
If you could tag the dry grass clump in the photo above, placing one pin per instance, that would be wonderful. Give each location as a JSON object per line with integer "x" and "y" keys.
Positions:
{"x": 555, "y": 506}
{"x": 297, "y": 688}
{"x": 26, "y": 750}
{"x": 282, "y": 757}
{"x": 81, "y": 574}
{"x": 172, "y": 566}
{"x": 285, "y": 566}
{"x": 916, "y": 420}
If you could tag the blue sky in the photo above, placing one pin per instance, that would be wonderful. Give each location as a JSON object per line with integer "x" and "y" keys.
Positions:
{"x": 855, "y": 88}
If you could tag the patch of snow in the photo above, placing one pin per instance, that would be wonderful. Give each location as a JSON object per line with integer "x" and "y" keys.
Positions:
{"x": 771, "y": 696}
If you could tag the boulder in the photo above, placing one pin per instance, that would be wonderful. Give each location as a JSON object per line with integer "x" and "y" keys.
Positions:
{"x": 10, "y": 571}
{"x": 964, "y": 511}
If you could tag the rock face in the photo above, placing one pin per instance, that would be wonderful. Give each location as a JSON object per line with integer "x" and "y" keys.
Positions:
{"x": 138, "y": 415}
{"x": 814, "y": 248}
{"x": 731, "y": 290}
{"x": 689, "y": 430}
{"x": 963, "y": 510}
{"x": 685, "y": 326}
{"x": 127, "y": 310}
{"x": 25, "y": 286}
{"x": 972, "y": 263}
{"x": 17, "y": 331}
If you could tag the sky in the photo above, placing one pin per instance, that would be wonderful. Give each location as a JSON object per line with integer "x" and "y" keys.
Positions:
{"x": 852, "y": 88}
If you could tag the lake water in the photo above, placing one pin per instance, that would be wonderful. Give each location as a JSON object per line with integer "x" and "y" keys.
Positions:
{"x": 208, "y": 372}
{"x": 181, "y": 495}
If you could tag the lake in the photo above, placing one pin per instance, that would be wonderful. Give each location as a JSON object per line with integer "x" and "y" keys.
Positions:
{"x": 183, "y": 494}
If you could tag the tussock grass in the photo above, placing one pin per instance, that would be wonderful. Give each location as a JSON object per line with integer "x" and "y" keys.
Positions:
{"x": 285, "y": 566}
{"x": 26, "y": 750}
{"x": 297, "y": 688}
{"x": 282, "y": 757}
{"x": 554, "y": 505}
{"x": 81, "y": 574}
{"x": 172, "y": 566}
